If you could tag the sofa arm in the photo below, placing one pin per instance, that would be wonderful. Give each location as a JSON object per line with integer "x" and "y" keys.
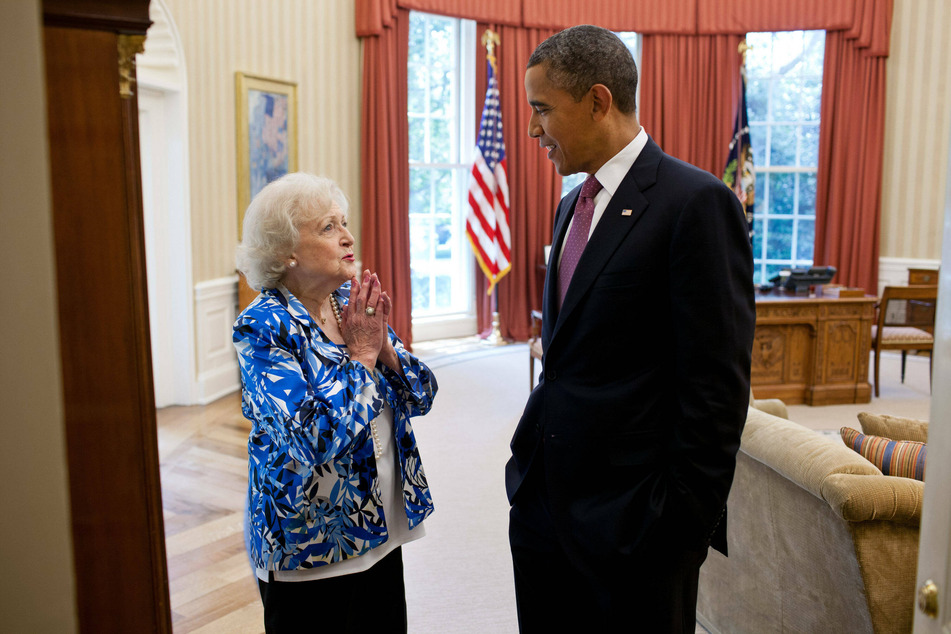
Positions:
{"x": 772, "y": 406}
{"x": 861, "y": 498}
{"x": 798, "y": 453}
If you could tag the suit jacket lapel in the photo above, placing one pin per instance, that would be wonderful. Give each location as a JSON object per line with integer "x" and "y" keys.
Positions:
{"x": 613, "y": 227}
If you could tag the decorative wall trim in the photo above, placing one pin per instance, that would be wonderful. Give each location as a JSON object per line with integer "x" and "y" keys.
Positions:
{"x": 894, "y": 271}
{"x": 216, "y": 303}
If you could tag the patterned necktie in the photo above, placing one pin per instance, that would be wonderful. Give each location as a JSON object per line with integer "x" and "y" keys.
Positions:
{"x": 578, "y": 236}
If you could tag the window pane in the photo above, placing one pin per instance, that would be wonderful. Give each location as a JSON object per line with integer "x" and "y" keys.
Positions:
{"x": 786, "y": 99}
{"x": 762, "y": 194}
{"x": 815, "y": 42}
{"x": 417, "y": 139}
{"x": 420, "y": 237}
{"x": 420, "y": 285}
{"x": 758, "y": 233}
{"x": 758, "y": 59}
{"x": 419, "y": 191}
{"x": 806, "y": 240}
{"x": 810, "y": 92}
{"x": 758, "y": 141}
{"x": 440, "y": 95}
{"x": 756, "y": 98}
{"x": 782, "y": 192}
{"x": 417, "y": 89}
{"x": 443, "y": 291}
{"x": 807, "y": 195}
{"x": 444, "y": 190}
{"x": 779, "y": 239}
{"x": 444, "y": 235}
{"x": 809, "y": 152}
{"x": 440, "y": 143}
{"x": 787, "y": 52}
{"x": 782, "y": 149}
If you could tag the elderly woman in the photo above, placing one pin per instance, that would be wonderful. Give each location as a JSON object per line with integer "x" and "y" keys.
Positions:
{"x": 336, "y": 483}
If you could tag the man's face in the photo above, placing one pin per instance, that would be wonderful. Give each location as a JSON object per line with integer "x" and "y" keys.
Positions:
{"x": 560, "y": 124}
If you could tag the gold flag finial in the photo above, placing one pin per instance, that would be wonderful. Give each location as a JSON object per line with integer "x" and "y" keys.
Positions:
{"x": 491, "y": 39}
{"x": 743, "y": 48}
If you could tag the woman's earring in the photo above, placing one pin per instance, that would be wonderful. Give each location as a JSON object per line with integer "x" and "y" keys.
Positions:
{"x": 292, "y": 263}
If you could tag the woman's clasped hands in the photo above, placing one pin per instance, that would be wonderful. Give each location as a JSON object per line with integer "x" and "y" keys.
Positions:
{"x": 364, "y": 323}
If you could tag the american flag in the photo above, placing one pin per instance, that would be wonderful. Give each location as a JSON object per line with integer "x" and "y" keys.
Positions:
{"x": 487, "y": 225}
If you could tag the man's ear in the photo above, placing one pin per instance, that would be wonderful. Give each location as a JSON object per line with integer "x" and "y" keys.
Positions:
{"x": 602, "y": 101}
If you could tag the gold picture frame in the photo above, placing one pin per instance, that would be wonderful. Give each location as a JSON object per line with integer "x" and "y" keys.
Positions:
{"x": 266, "y": 134}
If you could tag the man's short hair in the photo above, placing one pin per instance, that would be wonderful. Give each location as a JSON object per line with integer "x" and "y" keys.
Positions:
{"x": 582, "y": 56}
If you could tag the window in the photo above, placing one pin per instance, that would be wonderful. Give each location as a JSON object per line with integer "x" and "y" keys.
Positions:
{"x": 441, "y": 140}
{"x": 784, "y": 88}
{"x": 634, "y": 44}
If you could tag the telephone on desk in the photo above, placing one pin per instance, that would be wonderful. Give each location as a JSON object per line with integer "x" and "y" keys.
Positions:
{"x": 799, "y": 280}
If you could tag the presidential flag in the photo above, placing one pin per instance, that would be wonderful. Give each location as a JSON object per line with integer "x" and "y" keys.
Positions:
{"x": 739, "y": 175}
{"x": 487, "y": 225}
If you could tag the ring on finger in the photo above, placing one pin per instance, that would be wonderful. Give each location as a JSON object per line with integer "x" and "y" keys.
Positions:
{"x": 371, "y": 311}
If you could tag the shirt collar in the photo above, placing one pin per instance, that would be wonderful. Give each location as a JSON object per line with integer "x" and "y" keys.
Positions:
{"x": 613, "y": 172}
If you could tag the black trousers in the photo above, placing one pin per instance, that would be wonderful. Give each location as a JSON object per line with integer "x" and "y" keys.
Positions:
{"x": 370, "y": 601}
{"x": 653, "y": 590}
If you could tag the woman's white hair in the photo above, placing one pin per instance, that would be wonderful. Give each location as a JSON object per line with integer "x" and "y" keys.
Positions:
{"x": 272, "y": 221}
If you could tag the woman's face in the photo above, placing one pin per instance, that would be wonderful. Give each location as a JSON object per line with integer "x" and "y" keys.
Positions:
{"x": 324, "y": 253}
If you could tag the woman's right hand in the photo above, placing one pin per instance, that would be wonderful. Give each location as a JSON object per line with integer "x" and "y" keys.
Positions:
{"x": 364, "y": 334}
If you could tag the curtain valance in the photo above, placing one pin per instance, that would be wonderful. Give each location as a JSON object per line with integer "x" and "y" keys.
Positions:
{"x": 864, "y": 21}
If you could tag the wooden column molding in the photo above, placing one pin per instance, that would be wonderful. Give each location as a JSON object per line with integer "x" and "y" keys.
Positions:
{"x": 108, "y": 395}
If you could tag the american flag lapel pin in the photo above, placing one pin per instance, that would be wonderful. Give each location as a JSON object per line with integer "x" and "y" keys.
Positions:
{"x": 626, "y": 212}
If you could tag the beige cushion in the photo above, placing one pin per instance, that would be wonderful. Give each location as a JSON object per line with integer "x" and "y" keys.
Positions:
{"x": 772, "y": 406}
{"x": 902, "y": 334}
{"x": 894, "y": 427}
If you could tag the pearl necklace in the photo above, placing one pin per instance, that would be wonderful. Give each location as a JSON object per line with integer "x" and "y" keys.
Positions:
{"x": 335, "y": 307}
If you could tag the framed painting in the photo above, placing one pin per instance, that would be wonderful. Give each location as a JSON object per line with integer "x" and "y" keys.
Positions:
{"x": 266, "y": 122}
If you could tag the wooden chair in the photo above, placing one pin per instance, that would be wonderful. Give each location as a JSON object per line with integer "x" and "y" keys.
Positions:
{"x": 534, "y": 346}
{"x": 905, "y": 322}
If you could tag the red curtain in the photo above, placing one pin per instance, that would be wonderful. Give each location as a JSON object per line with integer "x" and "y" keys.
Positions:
{"x": 851, "y": 146}
{"x": 534, "y": 187}
{"x": 384, "y": 162}
{"x": 689, "y": 93}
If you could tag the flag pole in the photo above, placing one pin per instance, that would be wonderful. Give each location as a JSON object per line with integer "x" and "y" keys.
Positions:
{"x": 495, "y": 338}
{"x": 490, "y": 39}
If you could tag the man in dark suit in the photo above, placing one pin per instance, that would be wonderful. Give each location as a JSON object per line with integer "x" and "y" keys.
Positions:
{"x": 625, "y": 453}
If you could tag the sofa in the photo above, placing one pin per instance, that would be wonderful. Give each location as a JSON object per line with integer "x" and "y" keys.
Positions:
{"x": 819, "y": 540}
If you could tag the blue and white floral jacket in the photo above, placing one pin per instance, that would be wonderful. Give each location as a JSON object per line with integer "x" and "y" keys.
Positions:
{"x": 313, "y": 496}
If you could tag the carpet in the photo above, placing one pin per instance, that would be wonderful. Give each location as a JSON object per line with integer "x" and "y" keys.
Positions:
{"x": 459, "y": 577}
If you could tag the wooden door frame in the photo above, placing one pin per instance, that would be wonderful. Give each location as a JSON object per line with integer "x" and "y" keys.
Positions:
{"x": 108, "y": 400}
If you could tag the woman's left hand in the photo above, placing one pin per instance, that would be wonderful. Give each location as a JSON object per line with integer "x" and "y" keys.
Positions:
{"x": 363, "y": 326}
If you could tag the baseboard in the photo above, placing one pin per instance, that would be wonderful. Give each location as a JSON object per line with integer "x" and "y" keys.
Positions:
{"x": 894, "y": 271}
{"x": 216, "y": 303}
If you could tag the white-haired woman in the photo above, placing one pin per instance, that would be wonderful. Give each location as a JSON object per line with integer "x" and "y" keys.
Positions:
{"x": 336, "y": 485}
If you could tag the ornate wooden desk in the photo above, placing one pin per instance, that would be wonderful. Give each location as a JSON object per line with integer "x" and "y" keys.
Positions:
{"x": 812, "y": 350}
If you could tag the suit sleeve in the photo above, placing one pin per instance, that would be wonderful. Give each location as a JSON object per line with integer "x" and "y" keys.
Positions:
{"x": 713, "y": 313}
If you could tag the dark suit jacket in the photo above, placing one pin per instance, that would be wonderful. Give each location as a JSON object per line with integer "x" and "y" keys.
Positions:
{"x": 644, "y": 390}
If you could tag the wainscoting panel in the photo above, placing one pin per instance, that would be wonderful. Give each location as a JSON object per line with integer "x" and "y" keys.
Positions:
{"x": 894, "y": 271}
{"x": 216, "y": 304}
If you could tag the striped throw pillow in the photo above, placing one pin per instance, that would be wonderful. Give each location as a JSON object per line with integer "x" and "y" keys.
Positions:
{"x": 903, "y": 458}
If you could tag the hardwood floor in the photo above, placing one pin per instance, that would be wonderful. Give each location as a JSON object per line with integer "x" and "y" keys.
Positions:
{"x": 203, "y": 455}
